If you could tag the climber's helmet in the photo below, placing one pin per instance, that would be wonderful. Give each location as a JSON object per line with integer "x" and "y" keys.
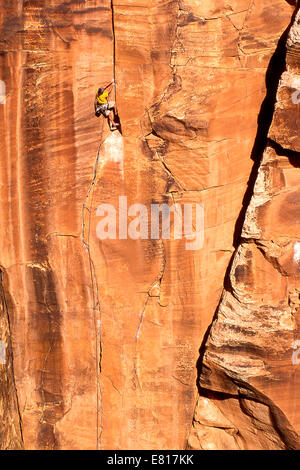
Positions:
{"x": 100, "y": 91}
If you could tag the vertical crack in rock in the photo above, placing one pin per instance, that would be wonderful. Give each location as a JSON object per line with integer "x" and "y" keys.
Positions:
{"x": 156, "y": 284}
{"x": 85, "y": 237}
{"x": 274, "y": 72}
{"x": 10, "y": 417}
{"x": 135, "y": 365}
{"x": 241, "y": 51}
{"x": 248, "y": 384}
{"x": 114, "y": 43}
{"x": 153, "y": 113}
{"x": 158, "y": 150}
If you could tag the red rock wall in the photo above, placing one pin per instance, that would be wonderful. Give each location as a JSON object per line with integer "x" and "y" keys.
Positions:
{"x": 105, "y": 334}
{"x": 250, "y": 365}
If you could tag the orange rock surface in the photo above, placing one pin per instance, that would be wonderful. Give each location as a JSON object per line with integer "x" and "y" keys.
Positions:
{"x": 249, "y": 375}
{"x": 101, "y": 337}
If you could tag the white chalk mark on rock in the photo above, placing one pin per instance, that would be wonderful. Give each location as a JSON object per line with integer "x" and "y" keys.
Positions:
{"x": 297, "y": 252}
{"x": 2, "y": 352}
{"x": 113, "y": 150}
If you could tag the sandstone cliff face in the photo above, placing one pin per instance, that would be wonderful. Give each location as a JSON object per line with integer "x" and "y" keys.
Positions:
{"x": 103, "y": 336}
{"x": 249, "y": 375}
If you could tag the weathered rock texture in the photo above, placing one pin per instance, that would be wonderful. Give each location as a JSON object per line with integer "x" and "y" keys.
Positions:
{"x": 103, "y": 336}
{"x": 250, "y": 367}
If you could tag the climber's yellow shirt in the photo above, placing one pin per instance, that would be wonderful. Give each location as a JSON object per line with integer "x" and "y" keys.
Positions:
{"x": 102, "y": 99}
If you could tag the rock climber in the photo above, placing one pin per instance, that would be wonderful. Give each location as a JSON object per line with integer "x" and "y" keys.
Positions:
{"x": 106, "y": 108}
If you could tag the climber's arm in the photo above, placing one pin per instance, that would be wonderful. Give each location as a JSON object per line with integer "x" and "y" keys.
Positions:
{"x": 109, "y": 88}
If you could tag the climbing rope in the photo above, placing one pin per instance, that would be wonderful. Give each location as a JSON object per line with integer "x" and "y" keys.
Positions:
{"x": 85, "y": 237}
{"x": 115, "y": 93}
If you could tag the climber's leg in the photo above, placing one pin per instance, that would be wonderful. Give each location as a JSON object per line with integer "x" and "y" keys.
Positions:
{"x": 115, "y": 110}
{"x": 111, "y": 117}
{"x": 111, "y": 105}
{"x": 111, "y": 122}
